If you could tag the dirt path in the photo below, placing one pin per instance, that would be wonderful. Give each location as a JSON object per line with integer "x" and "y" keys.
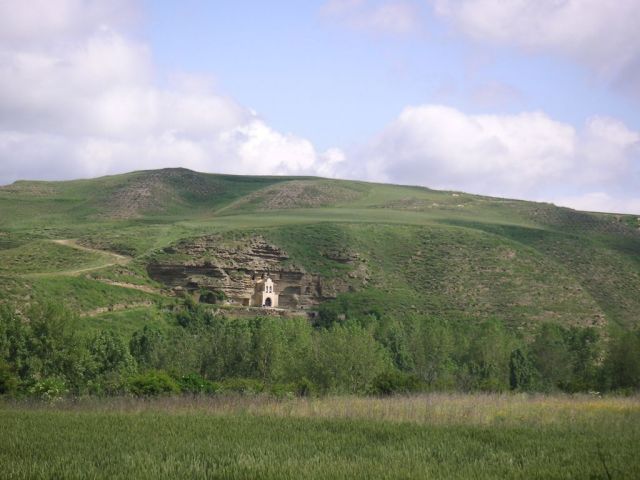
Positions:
{"x": 133, "y": 286}
{"x": 116, "y": 308}
{"x": 119, "y": 259}
{"x": 109, "y": 257}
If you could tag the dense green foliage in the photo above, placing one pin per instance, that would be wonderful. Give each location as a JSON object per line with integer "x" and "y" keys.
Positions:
{"x": 204, "y": 351}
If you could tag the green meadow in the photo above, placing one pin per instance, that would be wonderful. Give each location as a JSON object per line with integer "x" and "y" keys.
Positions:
{"x": 429, "y": 436}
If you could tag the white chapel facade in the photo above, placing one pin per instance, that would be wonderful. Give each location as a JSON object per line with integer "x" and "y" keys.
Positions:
{"x": 267, "y": 296}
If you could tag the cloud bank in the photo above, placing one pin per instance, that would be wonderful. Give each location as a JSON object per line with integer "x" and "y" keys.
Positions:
{"x": 601, "y": 35}
{"x": 394, "y": 17}
{"x": 79, "y": 98}
{"x": 527, "y": 155}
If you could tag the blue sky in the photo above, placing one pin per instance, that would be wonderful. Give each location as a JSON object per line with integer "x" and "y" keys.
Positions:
{"x": 521, "y": 98}
{"x": 308, "y": 74}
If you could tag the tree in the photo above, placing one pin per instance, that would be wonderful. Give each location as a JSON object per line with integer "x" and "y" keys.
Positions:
{"x": 522, "y": 373}
{"x": 110, "y": 355}
{"x": 147, "y": 346}
{"x": 392, "y": 335}
{"x": 347, "y": 358}
{"x": 55, "y": 349}
{"x": 552, "y": 357}
{"x": 431, "y": 345}
{"x": 8, "y": 380}
{"x": 268, "y": 348}
{"x": 622, "y": 365}
{"x": 14, "y": 335}
{"x": 586, "y": 353}
{"x": 487, "y": 360}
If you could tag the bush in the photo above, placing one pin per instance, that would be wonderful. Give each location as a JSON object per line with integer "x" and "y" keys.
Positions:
{"x": 390, "y": 383}
{"x": 110, "y": 355}
{"x": 621, "y": 368}
{"x": 146, "y": 346}
{"x": 50, "y": 389}
{"x": 8, "y": 381}
{"x": 212, "y": 296}
{"x": 245, "y": 386}
{"x": 282, "y": 390}
{"x": 194, "y": 383}
{"x": 305, "y": 388}
{"x": 153, "y": 383}
{"x": 108, "y": 385}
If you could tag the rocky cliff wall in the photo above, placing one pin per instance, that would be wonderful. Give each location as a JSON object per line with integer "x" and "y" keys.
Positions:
{"x": 236, "y": 267}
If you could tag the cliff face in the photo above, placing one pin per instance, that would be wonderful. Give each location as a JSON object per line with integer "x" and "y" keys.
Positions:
{"x": 235, "y": 268}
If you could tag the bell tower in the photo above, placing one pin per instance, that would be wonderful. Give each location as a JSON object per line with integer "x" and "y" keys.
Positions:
{"x": 269, "y": 297}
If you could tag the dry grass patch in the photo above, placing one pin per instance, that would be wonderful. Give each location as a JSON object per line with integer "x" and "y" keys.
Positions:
{"x": 425, "y": 409}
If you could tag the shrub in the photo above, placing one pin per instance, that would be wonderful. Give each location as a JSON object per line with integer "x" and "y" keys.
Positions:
{"x": 194, "y": 383}
{"x": 282, "y": 390}
{"x": 153, "y": 383}
{"x": 212, "y": 296}
{"x": 110, "y": 355}
{"x": 621, "y": 368}
{"x": 305, "y": 388}
{"x": 52, "y": 388}
{"x": 390, "y": 383}
{"x": 146, "y": 346}
{"x": 8, "y": 381}
{"x": 522, "y": 373}
{"x": 108, "y": 384}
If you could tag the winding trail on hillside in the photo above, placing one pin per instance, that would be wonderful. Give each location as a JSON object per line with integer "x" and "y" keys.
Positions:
{"x": 107, "y": 259}
{"x": 110, "y": 258}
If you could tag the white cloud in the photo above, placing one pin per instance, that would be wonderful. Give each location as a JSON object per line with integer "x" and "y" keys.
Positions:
{"x": 42, "y": 21}
{"x": 603, "y": 35}
{"x": 528, "y": 155}
{"x": 387, "y": 17}
{"x": 600, "y": 202}
{"x": 77, "y": 98}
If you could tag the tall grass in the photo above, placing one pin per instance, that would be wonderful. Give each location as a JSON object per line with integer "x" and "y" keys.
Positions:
{"x": 488, "y": 409}
{"x": 426, "y": 436}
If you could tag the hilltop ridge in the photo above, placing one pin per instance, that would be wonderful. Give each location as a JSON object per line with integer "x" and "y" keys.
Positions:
{"x": 419, "y": 251}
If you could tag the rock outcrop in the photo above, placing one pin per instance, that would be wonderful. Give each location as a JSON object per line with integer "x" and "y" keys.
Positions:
{"x": 236, "y": 267}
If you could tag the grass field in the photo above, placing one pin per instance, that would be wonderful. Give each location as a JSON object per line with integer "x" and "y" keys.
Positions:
{"x": 429, "y": 436}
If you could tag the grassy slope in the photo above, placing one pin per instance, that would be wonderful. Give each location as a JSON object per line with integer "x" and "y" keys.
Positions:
{"x": 422, "y": 437}
{"x": 444, "y": 253}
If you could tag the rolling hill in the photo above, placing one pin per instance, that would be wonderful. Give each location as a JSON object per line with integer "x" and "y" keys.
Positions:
{"x": 114, "y": 248}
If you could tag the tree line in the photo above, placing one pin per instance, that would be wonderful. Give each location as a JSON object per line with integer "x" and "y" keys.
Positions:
{"x": 42, "y": 354}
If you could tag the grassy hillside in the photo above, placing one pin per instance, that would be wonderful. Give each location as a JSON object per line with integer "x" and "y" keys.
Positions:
{"x": 445, "y": 254}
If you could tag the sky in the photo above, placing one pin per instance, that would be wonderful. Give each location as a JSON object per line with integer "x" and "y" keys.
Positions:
{"x": 531, "y": 99}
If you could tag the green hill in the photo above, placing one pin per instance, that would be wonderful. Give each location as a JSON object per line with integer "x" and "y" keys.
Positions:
{"x": 348, "y": 248}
